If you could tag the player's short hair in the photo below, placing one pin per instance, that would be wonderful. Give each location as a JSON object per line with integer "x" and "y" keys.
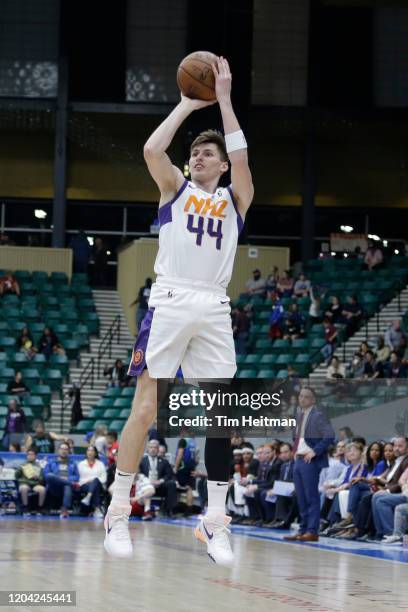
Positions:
{"x": 212, "y": 136}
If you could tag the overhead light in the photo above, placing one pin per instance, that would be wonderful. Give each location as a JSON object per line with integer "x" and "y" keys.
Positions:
{"x": 186, "y": 170}
{"x": 385, "y": 243}
{"x": 374, "y": 237}
{"x": 90, "y": 240}
{"x": 333, "y": 253}
{"x": 396, "y": 251}
{"x": 108, "y": 253}
{"x": 40, "y": 214}
{"x": 346, "y": 228}
{"x": 345, "y": 255}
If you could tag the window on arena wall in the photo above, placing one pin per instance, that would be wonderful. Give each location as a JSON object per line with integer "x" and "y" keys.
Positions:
{"x": 29, "y": 48}
{"x": 156, "y": 42}
{"x": 280, "y": 52}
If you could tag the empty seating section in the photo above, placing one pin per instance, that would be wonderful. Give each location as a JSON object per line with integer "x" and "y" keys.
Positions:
{"x": 111, "y": 410}
{"x": 267, "y": 358}
{"x": 52, "y": 301}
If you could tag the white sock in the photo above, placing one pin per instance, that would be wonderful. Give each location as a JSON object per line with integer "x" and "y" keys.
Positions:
{"x": 217, "y": 494}
{"x": 121, "y": 488}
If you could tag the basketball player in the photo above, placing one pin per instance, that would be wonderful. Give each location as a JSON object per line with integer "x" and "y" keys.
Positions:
{"x": 188, "y": 321}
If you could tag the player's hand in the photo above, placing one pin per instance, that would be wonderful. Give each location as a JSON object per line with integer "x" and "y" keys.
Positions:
{"x": 223, "y": 79}
{"x": 193, "y": 104}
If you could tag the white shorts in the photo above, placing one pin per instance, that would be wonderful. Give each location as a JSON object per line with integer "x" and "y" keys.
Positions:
{"x": 188, "y": 324}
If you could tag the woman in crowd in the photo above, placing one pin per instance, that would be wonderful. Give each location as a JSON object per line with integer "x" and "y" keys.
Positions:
{"x": 92, "y": 480}
{"x": 333, "y": 313}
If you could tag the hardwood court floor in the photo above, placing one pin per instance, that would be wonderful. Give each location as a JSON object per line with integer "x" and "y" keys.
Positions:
{"x": 170, "y": 571}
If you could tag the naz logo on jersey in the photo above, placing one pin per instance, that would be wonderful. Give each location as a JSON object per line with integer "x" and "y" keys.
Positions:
{"x": 138, "y": 357}
{"x": 206, "y": 207}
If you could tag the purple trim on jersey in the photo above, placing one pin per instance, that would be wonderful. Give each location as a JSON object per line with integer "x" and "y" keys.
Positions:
{"x": 165, "y": 210}
{"x": 138, "y": 361}
{"x": 240, "y": 221}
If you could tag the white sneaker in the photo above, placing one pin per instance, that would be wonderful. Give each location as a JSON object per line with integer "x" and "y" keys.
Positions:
{"x": 117, "y": 539}
{"x": 213, "y": 531}
{"x": 391, "y": 539}
{"x": 97, "y": 513}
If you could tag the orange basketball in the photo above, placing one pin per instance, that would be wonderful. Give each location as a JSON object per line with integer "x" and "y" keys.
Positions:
{"x": 195, "y": 76}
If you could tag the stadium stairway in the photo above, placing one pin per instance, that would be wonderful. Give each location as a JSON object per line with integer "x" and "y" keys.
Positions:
{"x": 376, "y": 325}
{"x": 108, "y": 307}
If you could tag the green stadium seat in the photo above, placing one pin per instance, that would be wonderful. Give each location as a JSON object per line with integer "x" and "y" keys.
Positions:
{"x": 59, "y": 278}
{"x": 69, "y": 315}
{"x": 111, "y": 413}
{"x": 122, "y": 402}
{"x": 91, "y": 320}
{"x": 130, "y": 391}
{"x": 117, "y": 425}
{"x": 252, "y": 359}
{"x": 105, "y": 402}
{"x": 247, "y": 374}
{"x": 113, "y": 392}
{"x": 40, "y": 276}
{"x": 281, "y": 345}
{"x": 84, "y": 426}
{"x": 22, "y": 275}
{"x": 28, "y": 289}
{"x": 125, "y": 413}
{"x": 86, "y": 305}
{"x": 50, "y": 302}
{"x": 266, "y": 374}
{"x": 31, "y": 376}
{"x": 282, "y": 374}
{"x": 43, "y": 391}
{"x": 299, "y": 345}
{"x": 52, "y": 378}
{"x": 19, "y": 361}
{"x": 7, "y": 344}
{"x": 10, "y": 300}
{"x": 262, "y": 346}
{"x": 60, "y": 362}
{"x": 3, "y": 411}
{"x": 71, "y": 348}
{"x": 10, "y": 313}
{"x": 36, "y": 404}
{"x": 39, "y": 362}
{"x": 96, "y": 413}
{"x": 4, "y": 327}
{"x": 268, "y": 360}
{"x": 63, "y": 292}
{"x": 79, "y": 278}
{"x": 31, "y": 314}
{"x": 2, "y": 423}
{"x": 240, "y": 358}
{"x": 16, "y": 327}
{"x": 284, "y": 359}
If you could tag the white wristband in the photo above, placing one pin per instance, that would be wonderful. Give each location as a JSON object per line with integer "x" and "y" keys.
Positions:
{"x": 235, "y": 141}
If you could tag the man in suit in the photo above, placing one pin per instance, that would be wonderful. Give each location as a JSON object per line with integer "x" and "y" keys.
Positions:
{"x": 314, "y": 435}
{"x": 160, "y": 474}
{"x": 268, "y": 472}
{"x": 286, "y": 509}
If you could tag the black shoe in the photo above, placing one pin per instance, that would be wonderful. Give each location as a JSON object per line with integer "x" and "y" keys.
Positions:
{"x": 169, "y": 514}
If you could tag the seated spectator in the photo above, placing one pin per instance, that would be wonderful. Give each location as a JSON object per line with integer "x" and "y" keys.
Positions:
{"x": 395, "y": 338}
{"x": 345, "y": 434}
{"x": 47, "y": 342}
{"x": 184, "y": 465}
{"x": 285, "y": 285}
{"x": 336, "y": 369}
{"x": 9, "y": 285}
{"x": 356, "y": 469}
{"x": 15, "y": 426}
{"x": 292, "y": 325}
{"x": 275, "y": 320}
{"x": 352, "y": 314}
{"x": 333, "y": 312}
{"x": 286, "y": 509}
{"x": 255, "y": 285}
{"x": 240, "y": 329}
{"x": 43, "y": 441}
{"x": 17, "y": 386}
{"x": 330, "y": 335}
{"x": 30, "y": 477}
{"x": 363, "y": 349}
{"x": 383, "y": 504}
{"x": 269, "y": 470}
{"x": 361, "y": 486}
{"x": 162, "y": 451}
{"x": 25, "y": 343}
{"x": 271, "y": 282}
{"x": 117, "y": 374}
{"x": 62, "y": 477}
{"x": 112, "y": 446}
{"x": 395, "y": 368}
{"x": 382, "y": 352}
{"x": 161, "y": 476}
{"x": 330, "y": 475}
{"x": 302, "y": 286}
{"x": 400, "y": 514}
{"x": 372, "y": 369}
{"x": 356, "y": 367}
{"x": 92, "y": 480}
{"x": 373, "y": 258}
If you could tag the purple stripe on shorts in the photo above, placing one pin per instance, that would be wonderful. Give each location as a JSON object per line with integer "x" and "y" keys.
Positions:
{"x": 138, "y": 361}
{"x": 165, "y": 210}
{"x": 240, "y": 222}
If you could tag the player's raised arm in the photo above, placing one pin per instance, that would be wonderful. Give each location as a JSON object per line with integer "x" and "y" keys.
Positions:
{"x": 167, "y": 177}
{"x": 241, "y": 179}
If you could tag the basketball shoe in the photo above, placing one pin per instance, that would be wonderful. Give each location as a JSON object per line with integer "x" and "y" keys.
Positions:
{"x": 117, "y": 539}
{"x": 213, "y": 531}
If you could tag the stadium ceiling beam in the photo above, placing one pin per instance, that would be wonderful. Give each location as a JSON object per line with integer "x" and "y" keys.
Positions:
{"x": 135, "y": 108}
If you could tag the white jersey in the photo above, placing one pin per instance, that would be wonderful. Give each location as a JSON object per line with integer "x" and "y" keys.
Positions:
{"x": 198, "y": 235}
